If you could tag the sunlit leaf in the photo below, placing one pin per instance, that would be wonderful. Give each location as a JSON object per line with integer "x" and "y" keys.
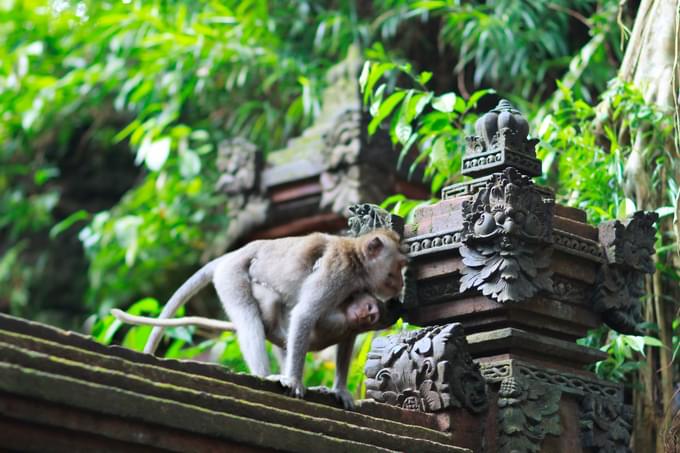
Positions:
{"x": 445, "y": 103}
{"x": 156, "y": 153}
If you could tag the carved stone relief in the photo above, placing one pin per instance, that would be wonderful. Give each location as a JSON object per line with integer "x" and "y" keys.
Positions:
{"x": 506, "y": 239}
{"x": 529, "y": 398}
{"x": 438, "y": 290}
{"x": 429, "y": 370}
{"x": 569, "y": 290}
{"x": 430, "y": 243}
{"x": 366, "y": 217}
{"x": 350, "y": 160}
{"x": 606, "y": 425}
{"x": 570, "y": 383}
{"x": 527, "y": 412}
{"x": 240, "y": 164}
{"x": 628, "y": 248}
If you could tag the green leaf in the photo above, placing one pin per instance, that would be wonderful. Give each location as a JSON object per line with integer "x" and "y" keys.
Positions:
{"x": 65, "y": 224}
{"x": 136, "y": 338}
{"x": 189, "y": 164}
{"x": 416, "y": 105}
{"x": 439, "y": 155}
{"x": 424, "y": 77}
{"x": 651, "y": 341}
{"x": 459, "y": 106}
{"x": 377, "y": 70}
{"x": 477, "y": 95}
{"x": 385, "y": 110}
{"x": 183, "y": 333}
{"x": 665, "y": 211}
{"x": 155, "y": 153}
{"x": 377, "y": 100}
{"x": 147, "y": 305}
{"x": 403, "y": 132}
{"x": 363, "y": 78}
{"x": 445, "y": 102}
{"x": 42, "y": 175}
{"x": 199, "y": 135}
{"x": 126, "y": 229}
{"x": 636, "y": 343}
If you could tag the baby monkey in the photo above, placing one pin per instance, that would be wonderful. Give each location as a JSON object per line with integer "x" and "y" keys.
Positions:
{"x": 296, "y": 291}
{"x": 361, "y": 313}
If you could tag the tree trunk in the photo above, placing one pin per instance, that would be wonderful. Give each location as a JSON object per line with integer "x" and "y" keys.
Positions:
{"x": 651, "y": 63}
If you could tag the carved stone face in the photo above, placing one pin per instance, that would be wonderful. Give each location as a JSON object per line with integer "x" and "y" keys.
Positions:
{"x": 507, "y": 206}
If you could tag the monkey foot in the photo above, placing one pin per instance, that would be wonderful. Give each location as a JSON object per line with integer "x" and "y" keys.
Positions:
{"x": 292, "y": 386}
{"x": 341, "y": 394}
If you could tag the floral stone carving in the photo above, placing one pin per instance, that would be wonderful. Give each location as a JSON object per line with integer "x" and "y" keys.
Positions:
{"x": 628, "y": 247}
{"x": 527, "y": 412}
{"x": 507, "y": 239}
{"x": 428, "y": 370}
{"x": 606, "y": 425}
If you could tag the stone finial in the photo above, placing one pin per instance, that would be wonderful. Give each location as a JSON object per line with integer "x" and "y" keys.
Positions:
{"x": 501, "y": 141}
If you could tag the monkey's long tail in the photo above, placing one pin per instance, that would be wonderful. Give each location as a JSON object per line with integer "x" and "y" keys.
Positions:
{"x": 200, "y": 321}
{"x": 185, "y": 292}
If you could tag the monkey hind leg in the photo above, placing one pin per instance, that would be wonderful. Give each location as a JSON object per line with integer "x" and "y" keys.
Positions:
{"x": 244, "y": 313}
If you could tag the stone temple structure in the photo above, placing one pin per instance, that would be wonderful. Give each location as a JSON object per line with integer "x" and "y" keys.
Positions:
{"x": 508, "y": 280}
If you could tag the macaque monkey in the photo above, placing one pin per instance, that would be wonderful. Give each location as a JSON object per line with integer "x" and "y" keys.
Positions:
{"x": 281, "y": 288}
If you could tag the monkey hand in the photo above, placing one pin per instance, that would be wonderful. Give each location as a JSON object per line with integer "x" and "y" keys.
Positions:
{"x": 341, "y": 394}
{"x": 293, "y": 386}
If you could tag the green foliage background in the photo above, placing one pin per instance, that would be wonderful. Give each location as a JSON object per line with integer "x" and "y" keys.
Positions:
{"x": 110, "y": 112}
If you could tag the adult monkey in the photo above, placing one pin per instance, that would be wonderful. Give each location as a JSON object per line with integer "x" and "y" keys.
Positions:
{"x": 298, "y": 279}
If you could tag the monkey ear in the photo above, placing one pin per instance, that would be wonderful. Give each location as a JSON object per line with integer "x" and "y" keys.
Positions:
{"x": 374, "y": 246}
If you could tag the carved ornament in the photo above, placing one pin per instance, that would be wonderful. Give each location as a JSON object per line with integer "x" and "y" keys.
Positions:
{"x": 433, "y": 243}
{"x": 351, "y": 162}
{"x": 527, "y": 412}
{"x": 579, "y": 246}
{"x": 506, "y": 239}
{"x": 628, "y": 247}
{"x": 366, "y": 217}
{"x": 606, "y": 425}
{"x": 241, "y": 165}
{"x": 574, "y": 384}
{"x": 428, "y": 370}
{"x": 569, "y": 290}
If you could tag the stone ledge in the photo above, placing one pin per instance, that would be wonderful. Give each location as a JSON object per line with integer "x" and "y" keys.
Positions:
{"x": 53, "y": 368}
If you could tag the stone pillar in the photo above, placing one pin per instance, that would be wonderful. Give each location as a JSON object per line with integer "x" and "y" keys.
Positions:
{"x": 524, "y": 277}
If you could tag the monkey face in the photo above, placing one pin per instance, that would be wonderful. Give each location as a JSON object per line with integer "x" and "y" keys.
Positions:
{"x": 394, "y": 281}
{"x": 363, "y": 313}
{"x": 384, "y": 265}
